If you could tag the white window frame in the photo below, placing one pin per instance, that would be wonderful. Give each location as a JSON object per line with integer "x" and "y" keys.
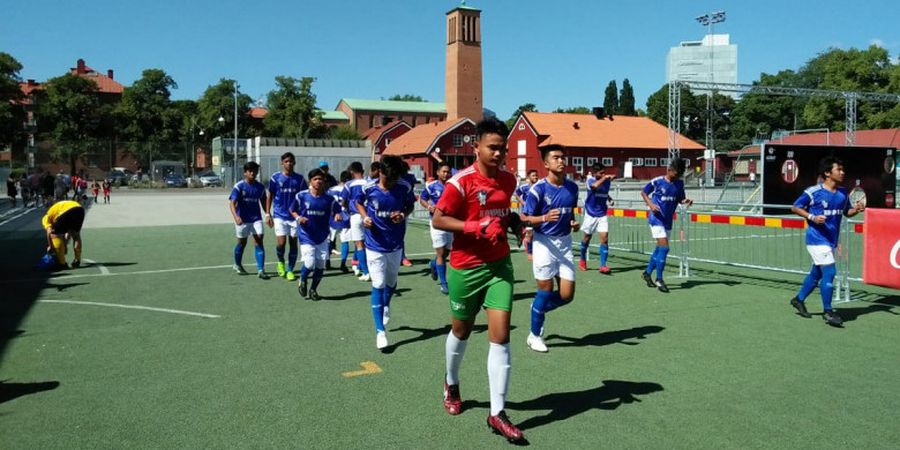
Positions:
{"x": 578, "y": 163}
{"x": 591, "y": 161}
{"x": 522, "y": 148}
{"x": 636, "y": 162}
{"x": 521, "y": 126}
{"x": 649, "y": 162}
{"x": 387, "y": 141}
{"x": 607, "y": 161}
{"x": 457, "y": 140}
{"x": 663, "y": 162}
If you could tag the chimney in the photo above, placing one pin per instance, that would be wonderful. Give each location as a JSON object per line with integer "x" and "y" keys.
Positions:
{"x": 598, "y": 112}
{"x": 575, "y": 125}
{"x": 109, "y": 73}
{"x": 79, "y": 68}
{"x": 30, "y": 82}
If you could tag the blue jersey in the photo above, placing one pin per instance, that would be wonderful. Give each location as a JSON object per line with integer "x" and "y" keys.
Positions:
{"x": 522, "y": 191}
{"x": 354, "y": 189}
{"x": 385, "y": 236}
{"x": 336, "y": 192}
{"x": 283, "y": 188}
{"x": 596, "y": 202}
{"x": 317, "y": 209}
{"x": 432, "y": 192}
{"x": 247, "y": 195}
{"x": 410, "y": 178}
{"x": 822, "y": 202}
{"x": 545, "y": 196}
{"x": 666, "y": 195}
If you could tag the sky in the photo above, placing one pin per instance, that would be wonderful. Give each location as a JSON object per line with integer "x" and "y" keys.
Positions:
{"x": 551, "y": 53}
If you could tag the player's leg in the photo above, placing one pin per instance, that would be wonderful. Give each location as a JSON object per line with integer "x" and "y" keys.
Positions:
{"x": 77, "y": 246}
{"x": 603, "y": 230}
{"x": 332, "y": 245}
{"x": 377, "y": 268}
{"x": 391, "y": 273}
{"x": 529, "y": 239}
{"x": 826, "y": 288}
{"x": 281, "y": 231}
{"x": 292, "y": 252}
{"x": 260, "y": 250}
{"x": 242, "y": 232}
{"x": 466, "y": 296}
{"x": 588, "y": 227}
{"x": 404, "y": 260}
{"x": 440, "y": 267}
{"x": 552, "y": 260}
{"x": 663, "y": 245}
{"x": 58, "y": 244}
{"x": 322, "y": 253}
{"x": 345, "y": 248}
{"x": 307, "y": 266}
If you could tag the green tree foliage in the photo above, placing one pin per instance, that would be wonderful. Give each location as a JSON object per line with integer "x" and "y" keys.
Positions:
{"x": 218, "y": 101}
{"x": 528, "y": 107}
{"x": 146, "y": 117}
{"x": 292, "y": 109}
{"x": 344, "y": 132}
{"x": 574, "y": 110}
{"x": 12, "y": 115}
{"x": 691, "y": 113}
{"x": 611, "y": 98}
{"x": 626, "y": 100}
{"x": 407, "y": 98}
{"x": 70, "y": 113}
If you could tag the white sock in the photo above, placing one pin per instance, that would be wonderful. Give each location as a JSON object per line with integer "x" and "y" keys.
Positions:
{"x": 454, "y": 351}
{"x": 498, "y": 375}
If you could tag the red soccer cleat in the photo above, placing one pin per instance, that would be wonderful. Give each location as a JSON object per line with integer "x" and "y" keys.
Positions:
{"x": 605, "y": 270}
{"x": 502, "y": 426}
{"x": 582, "y": 265}
{"x": 406, "y": 262}
{"x": 452, "y": 402}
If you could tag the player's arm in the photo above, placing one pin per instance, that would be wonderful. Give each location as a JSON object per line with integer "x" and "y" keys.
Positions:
{"x": 800, "y": 208}
{"x": 425, "y": 200}
{"x": 533, "y": 205}
{"x": 267, "y": 208}
{"x": 682, "y": 198}
{"x": 232, "y": 203}
{"x": 644, "y": 195}
{"x": 361, "y": 209}
{"x": 856, "y": 209}
{"x": 452, "y": 200}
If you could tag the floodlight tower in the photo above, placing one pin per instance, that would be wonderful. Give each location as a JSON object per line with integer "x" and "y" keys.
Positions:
{"x": 709, "y": 20}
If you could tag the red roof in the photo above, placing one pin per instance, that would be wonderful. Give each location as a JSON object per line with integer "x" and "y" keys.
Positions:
{"x": 889, "y": 137}
{"x": 586, "y": 130}
{"x": 105, "y": 84}
{"x": 373, "y": 134}
{"x": 421, "y": 139}
{"x": 748, "y": 150}
{"x": 258, "y": 112}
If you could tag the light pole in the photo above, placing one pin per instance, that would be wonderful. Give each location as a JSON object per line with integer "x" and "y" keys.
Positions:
{"x": 234, "y": 164}
{"x": 222, "y": 124}
{"x": 708, "y": 20}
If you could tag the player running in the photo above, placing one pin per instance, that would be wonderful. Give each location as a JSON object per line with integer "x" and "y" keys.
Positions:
{"x": 440, "y": 240}
{"x": 312, "y": 208}
{"x": 521, "y": 197}
{"x": 357, "y": 231}
{"x": 662, "y": 195}
{"x": 595, "y": 219}
{"x": 283, "y": 187}
{"x": 246, "y": 200}
{"x": 475, "y": 207}
{"x": 822, "y": 206}
{"x": 550, "y": 206}
{"x": 384, "y": 206}
{"x": 339, "y": 222}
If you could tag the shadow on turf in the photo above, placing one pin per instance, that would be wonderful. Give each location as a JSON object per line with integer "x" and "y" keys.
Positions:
{"x": 12, "y": 391}
{"x": 886, "y": 305}
{"x": 605, "y": 338}
{"x": 693, "y": 283}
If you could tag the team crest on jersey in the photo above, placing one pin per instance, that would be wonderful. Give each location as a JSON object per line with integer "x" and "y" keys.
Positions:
{"x": 824, "y": 204}
{"x": 307, "y": 204}
{"x": 375, "y": 204}
{"x": 547, "y": 199}
{"x": 482, "y": 198}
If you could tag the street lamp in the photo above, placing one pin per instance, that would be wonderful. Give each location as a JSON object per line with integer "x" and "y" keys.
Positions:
{"x": 708, "y": 20}
{"x": 234, "y": 165}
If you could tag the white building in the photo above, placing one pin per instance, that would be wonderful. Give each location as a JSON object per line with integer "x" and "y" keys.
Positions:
{"x": 712, "y": 59}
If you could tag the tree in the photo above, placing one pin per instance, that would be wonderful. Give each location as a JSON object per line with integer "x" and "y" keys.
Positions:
{"x": 146, "y": 116}
{"x": 12, "y": 115}
{"x": 292, "y": 109}
{"x": 407, "y": 98}
{"x": 71, "y": 114}
{"x": 574, "y": 110}
{"x": 528, "y": 107}
{"x": 218, "y": 101}
{"x": 345, "y": 132}
{"x": 611, "y": 98}
{"x": 691, "y": 115}
{"x": 626, "y": 100}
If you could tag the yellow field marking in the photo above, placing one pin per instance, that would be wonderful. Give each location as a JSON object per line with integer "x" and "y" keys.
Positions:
{"x": 369, "y": 368}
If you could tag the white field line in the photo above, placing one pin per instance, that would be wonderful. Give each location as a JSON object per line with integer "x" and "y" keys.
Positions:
{"x": 145, "y": 308}
{"x": 103, "y": 269}
{"x": 24, "y": 212}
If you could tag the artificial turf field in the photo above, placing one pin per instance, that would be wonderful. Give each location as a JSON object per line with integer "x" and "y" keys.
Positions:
{"x": 720, "y": 362}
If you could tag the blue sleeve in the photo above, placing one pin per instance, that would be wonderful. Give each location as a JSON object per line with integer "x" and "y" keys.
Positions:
{"x": 410, "y": 199}
{"x": 303, "y": 185}
{"x": 235, "y": 194}
{"x": 681, "y": 195}
{"x": 295, "y": 205}
{"x": 532, "y": 202}
{"x": 649, "y": 187}
{"x": 359, "y": 199}
{"x": 335, "y": 207}
{"x": 425, "y": 195}
{"x": 803, "y": 201}
{"x": 272, "y": 186}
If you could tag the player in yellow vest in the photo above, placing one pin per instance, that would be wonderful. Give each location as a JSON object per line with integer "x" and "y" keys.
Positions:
{"x": 64, "y": 218}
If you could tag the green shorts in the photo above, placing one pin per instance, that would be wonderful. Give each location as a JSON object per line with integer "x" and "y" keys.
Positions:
{"x": 489, "y": 285}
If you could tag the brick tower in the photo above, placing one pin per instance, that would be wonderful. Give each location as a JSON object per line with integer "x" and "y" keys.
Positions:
{"x": 463, "y": 78}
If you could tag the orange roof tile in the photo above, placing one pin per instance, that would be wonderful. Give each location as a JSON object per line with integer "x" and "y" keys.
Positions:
{"x": 372, "y": 134}
{"x": 258, "y": 112}
{"x": 105, "y": 84}
{"x": 585, "y": 130}
{"x": 422, "y": 138}
{"x": 888, "y": 137}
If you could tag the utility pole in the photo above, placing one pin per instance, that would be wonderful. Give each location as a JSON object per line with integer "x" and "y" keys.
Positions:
{"x": 708, "y": 20}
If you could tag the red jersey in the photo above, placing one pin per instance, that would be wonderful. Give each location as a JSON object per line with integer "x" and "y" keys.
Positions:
{"x": 469, "y": 195}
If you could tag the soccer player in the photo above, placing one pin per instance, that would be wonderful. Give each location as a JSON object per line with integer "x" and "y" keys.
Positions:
{"x": 822, "y": 206}
{"x": 440, "y": 240}
{"x": 475, "y": 207}
{"x": 662, "y": 195}
{"x": 357, "y": 230}
{"x": 595, "y": 219}
{"x": 330, "y": 181}
{"x": 63, "y": 221}
{"x": 521, "y": 197}
{"x": 312, "y": 208}
{"x": 335, "y": 222}
{"x": 550, "y": 206}
{"x": 384, "y": 206}
{"x": 246, "y": 202}
{"x": 283, "y": 187}
{"x": 344, "y": 220}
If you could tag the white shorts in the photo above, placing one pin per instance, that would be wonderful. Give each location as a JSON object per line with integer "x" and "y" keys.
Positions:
{"x": 314, "y": 256}
{"x": 285, "y": 227}
{"x": 593, "y": 224}
{"x": 244, "y": 230}
{"x": 357, "y": 230}
{"x": 345, "y": 235}
{"x": 552, "y": 257}
{"x": 383, "y": 267}
{"x": 332, "y": 233}
{"x": 659, "y": 232}
{"x": 440, "y": 238}
{"x": 822, "y": 255}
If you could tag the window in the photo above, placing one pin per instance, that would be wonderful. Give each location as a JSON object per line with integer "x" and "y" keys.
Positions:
{"x": 521, "y": 150}
{"x": 578, "y": 162}
{"x": 636, "y": 162}
{"x": 457, "y": 140}
{"x": 664, "y": 162}
{"x": 607, "y": 161}
{"x": 472, "y": 141}
{"x": 687, "y": 163}
{"x": 521, "y": 126}
{"x": 649, "y": 162}
{"x": 387, "y": 141}
{"x": 591, "y": 162}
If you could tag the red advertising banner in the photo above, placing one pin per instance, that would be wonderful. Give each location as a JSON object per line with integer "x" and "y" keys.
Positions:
{"x": 881, "y": 248}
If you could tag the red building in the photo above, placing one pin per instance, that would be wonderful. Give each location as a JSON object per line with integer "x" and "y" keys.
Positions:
{"x": 426, "y": 145}
{"x": 613, "y": 141}
{"x": 382, "y": 136}
{"x": 364, "y": 115}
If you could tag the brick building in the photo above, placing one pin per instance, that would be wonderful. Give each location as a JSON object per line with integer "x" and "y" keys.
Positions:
{"x": 367, "y": 114}
{"x": 426, "y": 145}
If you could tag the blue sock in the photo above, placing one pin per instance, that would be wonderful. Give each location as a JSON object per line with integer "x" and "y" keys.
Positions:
{"x": 661, "y": 262}
{"x": 238, "y": 254}
{"x": 388, "y": 294}
{"x": 292, "y": 259}
{"x": 442, "y": 273}
{"x": 554, "y": 301}
{"x": 363, "y": 265}
{"x": 810, "y": 282}
{"x": 652, "y": 264}
{"x": 279, "y": 253}
{"x": 528, "y": 247}
{"x": 827, "y": 286}
{"x": 537, "y": 311}
{"x": 378, "y": 308}
{"x": 604, "y": 253}
{"x": 356, "y": 256}
{"x": 304, "y": 273}
{"x": 260, "y": 257}
{"x": 584, "y": 250}
{"x": 317, "y": 278}
{"x": 345, "y": 250}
